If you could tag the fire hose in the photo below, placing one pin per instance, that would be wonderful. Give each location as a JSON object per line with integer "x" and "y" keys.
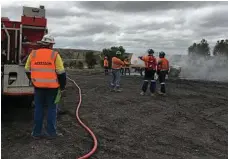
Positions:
{"x": 82, "y": 124}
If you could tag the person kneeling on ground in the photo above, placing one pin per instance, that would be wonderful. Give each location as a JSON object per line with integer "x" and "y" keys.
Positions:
{"x": 44, "y": 68}
{"x": 117, "y": 64}
{"x": 150, "y": 69}
{"x": 163, "y": 64}
{"x": 106, "y": 65}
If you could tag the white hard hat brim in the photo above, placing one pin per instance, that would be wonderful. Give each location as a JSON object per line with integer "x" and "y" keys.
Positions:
{"x": 44, "y": 42}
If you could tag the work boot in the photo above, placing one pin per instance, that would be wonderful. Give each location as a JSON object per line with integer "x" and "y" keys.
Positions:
{"x": 152, "y": 94}
{"x": 118, "y": 90}
{"x": 37, "y": 137}
{"x": 142, "y": 93}
{"x": 161, "y": 93}
{"x": 50, "y": 137}
{"x": 112, "y": 90}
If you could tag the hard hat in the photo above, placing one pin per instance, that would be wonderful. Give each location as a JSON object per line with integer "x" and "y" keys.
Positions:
{"x": 150, "y": 51}
{"x": 118, "y": 53}
{"x": 161, "y": 54}
{"x": 105, "y": 57}
{"x": 48, "y": 39}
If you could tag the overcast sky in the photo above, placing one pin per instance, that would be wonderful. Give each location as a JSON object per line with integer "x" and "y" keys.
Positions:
{"x": 137, "y": 26}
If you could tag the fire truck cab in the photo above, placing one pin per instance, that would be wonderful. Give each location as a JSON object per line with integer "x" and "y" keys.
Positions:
{"x": 18, "y": 38}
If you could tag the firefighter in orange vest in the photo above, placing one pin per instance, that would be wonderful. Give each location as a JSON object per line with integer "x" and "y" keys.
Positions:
{"x": 126, "y": 66}
{"x": 106, "y": 65}
{"x": 163, "y": 64}
{"x": 44, "y": 67}
{"x": 117, "y": 64}
{"x": 150, "y": 69}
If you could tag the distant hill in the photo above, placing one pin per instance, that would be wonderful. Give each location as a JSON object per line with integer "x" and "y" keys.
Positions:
{"x": 75, "y": 53}
{"x": 79, "y": 54}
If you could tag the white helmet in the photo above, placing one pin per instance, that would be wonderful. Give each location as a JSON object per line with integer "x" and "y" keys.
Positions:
{"x": 48, "y": 39}
{"x": 118, "y": 53}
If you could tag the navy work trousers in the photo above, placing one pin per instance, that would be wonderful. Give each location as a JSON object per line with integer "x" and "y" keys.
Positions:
{"x": 42, "y": 97}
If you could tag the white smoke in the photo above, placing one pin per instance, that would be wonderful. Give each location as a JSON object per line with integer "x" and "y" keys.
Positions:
{"x": 210, "y": 69}
{"x": 135, "y": 61}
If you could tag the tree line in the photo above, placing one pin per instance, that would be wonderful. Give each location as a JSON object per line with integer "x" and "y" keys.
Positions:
{"x": 203, "y": 49}
{"x": 91, "y": 59}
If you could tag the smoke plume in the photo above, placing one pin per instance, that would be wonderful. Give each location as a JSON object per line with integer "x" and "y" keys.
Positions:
{"x": 212, "y": 68}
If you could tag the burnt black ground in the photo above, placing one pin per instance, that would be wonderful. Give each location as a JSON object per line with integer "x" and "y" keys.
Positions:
{"x": 191, "y": 122}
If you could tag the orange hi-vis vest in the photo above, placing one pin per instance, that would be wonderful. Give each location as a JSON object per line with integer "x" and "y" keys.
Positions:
{"x": 164, "y": 64}
{"x": 105, "y": 63}
{"x": 43, "y": 73}
{"x": 117, "y": 63}
{"x": 150, "y": 62}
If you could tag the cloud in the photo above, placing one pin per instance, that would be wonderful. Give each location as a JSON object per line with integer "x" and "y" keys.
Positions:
{"x": 168, "y": 26}
{"x": 138, "y": 6}
{"x": 216, "y": 18}
{"x": 85, "y": 30}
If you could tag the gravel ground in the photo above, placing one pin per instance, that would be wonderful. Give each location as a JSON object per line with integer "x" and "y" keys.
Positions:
{"x": 191, "y": 122}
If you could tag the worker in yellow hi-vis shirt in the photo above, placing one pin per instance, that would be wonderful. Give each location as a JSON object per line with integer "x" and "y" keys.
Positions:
{"x": 44, "y": 67}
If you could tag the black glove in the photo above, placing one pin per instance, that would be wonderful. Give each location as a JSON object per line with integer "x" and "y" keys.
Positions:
{"x": 28, "y": 75}
{"x": 62, "y": 88}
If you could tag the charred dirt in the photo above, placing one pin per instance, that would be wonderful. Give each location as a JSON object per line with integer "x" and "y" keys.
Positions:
{"x": 190, "y": 122}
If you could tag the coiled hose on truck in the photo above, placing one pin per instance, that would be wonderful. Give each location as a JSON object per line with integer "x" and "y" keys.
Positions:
{"x": 82, "y": 124}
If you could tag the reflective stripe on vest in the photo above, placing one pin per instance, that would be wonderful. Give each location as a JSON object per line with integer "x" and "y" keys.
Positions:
{"x": 44, "y": 80}
{"x": 52, "y": 54}
{"x": 43, "y": 72}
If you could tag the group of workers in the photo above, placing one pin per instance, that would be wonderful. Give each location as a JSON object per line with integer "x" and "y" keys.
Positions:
{"x": 152, "y": 66}
{"x": 44, "y": 68}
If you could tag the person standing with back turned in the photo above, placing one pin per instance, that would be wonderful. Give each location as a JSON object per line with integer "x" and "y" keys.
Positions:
{"x": 117, "y": 64}
{"x": 106, "y": 65}
{"x": 163, "y": 64}
{"x": 150, "y": 69}
{"x": 44, "y": 67}
{"x": 126, "y": 66}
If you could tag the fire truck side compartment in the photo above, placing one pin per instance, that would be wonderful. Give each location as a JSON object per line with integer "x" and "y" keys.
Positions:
{"x": 18, "y": 39}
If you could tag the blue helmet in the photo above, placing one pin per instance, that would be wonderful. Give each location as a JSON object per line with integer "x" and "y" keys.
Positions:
{"x": 150, "y": 51}
{"x": 161, "y": 54}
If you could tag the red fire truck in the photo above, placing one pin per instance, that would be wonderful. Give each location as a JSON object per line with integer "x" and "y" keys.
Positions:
{"x": 18, "y": 38}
